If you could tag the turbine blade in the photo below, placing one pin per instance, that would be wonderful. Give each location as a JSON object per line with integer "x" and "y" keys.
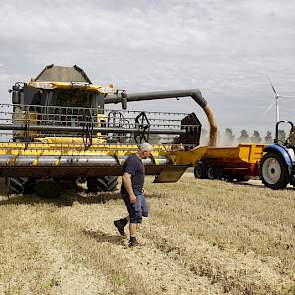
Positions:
{"x": 273, "y": 89}
{"x": 287, "y": 96}
{"x": 269, "y": 108}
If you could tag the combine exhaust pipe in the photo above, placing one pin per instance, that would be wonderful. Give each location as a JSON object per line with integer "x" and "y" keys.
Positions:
{"x": 195, "y": 94}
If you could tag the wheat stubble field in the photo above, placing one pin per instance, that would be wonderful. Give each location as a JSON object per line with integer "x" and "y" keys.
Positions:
{"x": 202, "y": 237}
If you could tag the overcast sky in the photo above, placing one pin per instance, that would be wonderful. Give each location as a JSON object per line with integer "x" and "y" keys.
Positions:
{"x": 223, "y": 47}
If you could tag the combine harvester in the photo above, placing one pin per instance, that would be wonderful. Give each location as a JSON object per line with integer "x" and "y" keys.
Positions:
{"x": 57, "y": 131}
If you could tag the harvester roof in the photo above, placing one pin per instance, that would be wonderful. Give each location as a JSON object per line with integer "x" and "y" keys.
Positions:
{"x": 59, "y": 77}
{"x": 54, "y": 73}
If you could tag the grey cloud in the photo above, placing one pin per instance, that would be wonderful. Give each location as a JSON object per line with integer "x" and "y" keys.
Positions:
{"x": 223, "y": 47}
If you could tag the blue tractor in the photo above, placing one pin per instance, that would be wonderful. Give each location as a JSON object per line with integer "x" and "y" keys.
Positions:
{"x": 278, "y": 163}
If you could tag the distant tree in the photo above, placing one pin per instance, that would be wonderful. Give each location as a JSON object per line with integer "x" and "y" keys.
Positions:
{"x": 244, "y": 137}
{"x": 255, "y": 138}
{"x": 281, "y": 135}
{"x": 228, "y": 137}
{"x": 268, "y": 138}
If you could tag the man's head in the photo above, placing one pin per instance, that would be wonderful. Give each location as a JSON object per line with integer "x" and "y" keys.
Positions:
{"x": 145, "y": 150}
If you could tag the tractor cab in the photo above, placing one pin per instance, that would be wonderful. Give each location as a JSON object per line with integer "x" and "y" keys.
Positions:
{"x": 289, "y": 143}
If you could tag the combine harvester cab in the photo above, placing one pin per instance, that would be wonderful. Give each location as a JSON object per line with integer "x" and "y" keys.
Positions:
{"x": 238, "y": 163}
{"x": 277, "y": 165}
{"x": 58, "y": 130}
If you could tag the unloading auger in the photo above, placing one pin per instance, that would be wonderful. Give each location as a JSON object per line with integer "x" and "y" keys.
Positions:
{"x": 58, "y": 128}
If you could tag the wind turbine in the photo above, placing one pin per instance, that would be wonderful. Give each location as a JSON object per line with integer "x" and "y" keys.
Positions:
{"x": 276, "y": 102}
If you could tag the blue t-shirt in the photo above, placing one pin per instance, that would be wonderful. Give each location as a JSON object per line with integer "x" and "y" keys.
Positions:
{"x": 134, "y": 166}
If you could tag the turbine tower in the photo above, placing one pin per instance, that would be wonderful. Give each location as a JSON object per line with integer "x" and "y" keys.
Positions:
{"x": 276, "y": 102}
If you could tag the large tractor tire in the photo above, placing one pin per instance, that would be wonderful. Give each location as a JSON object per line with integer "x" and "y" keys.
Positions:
{"x": 274, "y": 171}
{"x": 20, "y": 185}
{"x": 102, "y": 184}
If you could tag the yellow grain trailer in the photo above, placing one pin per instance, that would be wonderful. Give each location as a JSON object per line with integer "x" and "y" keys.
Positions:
{"x": 230, "y": 163}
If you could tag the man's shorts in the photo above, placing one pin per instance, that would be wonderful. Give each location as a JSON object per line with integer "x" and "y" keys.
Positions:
{"x": 137, "y": 210}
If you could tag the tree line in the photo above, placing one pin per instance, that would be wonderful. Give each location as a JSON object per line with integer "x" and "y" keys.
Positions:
{"x": 227, "y": 138}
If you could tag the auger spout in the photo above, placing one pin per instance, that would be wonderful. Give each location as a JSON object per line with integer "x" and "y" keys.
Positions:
{"x": 195, "y": 94}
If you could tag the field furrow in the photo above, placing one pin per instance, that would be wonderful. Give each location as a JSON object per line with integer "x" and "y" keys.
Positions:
{"x": 202, "y": 237}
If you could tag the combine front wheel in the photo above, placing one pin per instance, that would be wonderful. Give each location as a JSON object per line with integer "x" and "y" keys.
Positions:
{"x": 102, "y": 184}
{"x": 20, "y": 185}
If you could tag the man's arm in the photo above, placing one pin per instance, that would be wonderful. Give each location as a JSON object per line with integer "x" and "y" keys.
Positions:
{"x": 128, "y": 185}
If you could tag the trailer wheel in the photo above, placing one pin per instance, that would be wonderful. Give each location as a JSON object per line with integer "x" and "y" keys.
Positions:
{"x": 200, "y": 171}
{"x": 20, "y": 185}
{"x": 242, "y": 178}
{"x": 211, "y": 173}
{"x": 102, "y": 184}
{"x": 219, "y": 173}
{"x": 274, "y": 171}
{"x": 228, "y": 178}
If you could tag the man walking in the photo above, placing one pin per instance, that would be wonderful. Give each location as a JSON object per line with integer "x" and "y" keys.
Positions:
{"x": 132, "y": 191}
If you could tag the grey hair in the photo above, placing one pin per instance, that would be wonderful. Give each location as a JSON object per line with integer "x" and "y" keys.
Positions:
{"x": 145, "y": 146}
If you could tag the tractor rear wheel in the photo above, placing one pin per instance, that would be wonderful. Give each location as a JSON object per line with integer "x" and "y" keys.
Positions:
{"x": 102, "y": 184}
{"x": 274, "y": 171}
{"x": 20, "y": 185}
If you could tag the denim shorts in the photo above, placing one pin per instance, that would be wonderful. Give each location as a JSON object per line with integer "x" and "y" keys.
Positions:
{"x": 137, "y": 210}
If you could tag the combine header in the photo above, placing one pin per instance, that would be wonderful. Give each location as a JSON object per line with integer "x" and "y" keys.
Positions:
{"x": 58, "y": 128}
